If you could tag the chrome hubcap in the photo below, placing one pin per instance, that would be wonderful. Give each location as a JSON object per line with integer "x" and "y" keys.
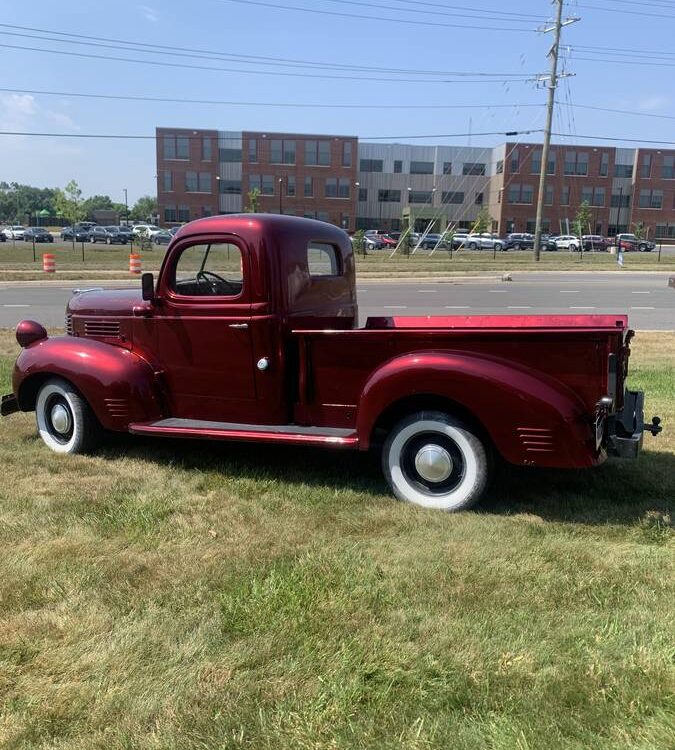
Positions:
{"x": 61, "y": 419}
{"x": 433, "y": 463}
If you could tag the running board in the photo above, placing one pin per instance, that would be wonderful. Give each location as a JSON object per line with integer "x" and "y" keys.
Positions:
{"x": 285, "y": 433}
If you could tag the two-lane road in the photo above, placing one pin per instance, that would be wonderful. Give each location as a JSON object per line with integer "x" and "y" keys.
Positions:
{"x": 646, "y": 297}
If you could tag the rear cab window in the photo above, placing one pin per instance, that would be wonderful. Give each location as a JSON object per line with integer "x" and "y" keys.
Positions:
{"x": 323, "y": 259}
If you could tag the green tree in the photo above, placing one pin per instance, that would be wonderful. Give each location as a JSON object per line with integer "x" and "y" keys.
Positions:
{"x": 96, "y": 203}
{"x": 359, "y": 242}
{"x": 483, "y": 221}
{"x": 253, "y": 197}
{"x": 145, "y": 208}
{"x": 639, "y": 230}
{"x": 68, "y": 203}
{"x": 18, "y": 202}
{"x": 583, "y": 219}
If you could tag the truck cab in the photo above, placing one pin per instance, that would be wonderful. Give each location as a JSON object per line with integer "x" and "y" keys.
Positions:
{"x": 250, "y": 332}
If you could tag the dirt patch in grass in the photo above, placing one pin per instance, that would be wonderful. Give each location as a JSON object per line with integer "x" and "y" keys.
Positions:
{"x": 178, "y": 595}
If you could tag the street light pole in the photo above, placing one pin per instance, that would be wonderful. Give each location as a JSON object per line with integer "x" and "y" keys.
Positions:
{"x": 281, "y": 209}
{"x": 126, "y": 206}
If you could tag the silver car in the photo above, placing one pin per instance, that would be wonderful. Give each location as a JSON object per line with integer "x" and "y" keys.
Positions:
{"x": 484, "y": 241}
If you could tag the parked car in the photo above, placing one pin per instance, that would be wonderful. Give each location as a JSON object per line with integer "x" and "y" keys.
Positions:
{"x": 484, "y": 241}
{"x": 459, "y": 239}
{"x": 594, "y": 242}
{"x": 162, "y": 238}
{"x": 525, "y": 241}
{"x": 2, "y": 235}
{"x": 387, "y": 240}
{"x": 444, "y": 399}
{"x": 126, "y": 231}
{"x": 37, "y": 234}
{"x": 150, "y": 229}
{"x": 432, "y": 241}
{"x": 567, "y": 242}
{"x": 629, "y": 242}
{"x": 81, "y": 234}
{"x": 108, "y": 235}
{"x": 14, "y": 232}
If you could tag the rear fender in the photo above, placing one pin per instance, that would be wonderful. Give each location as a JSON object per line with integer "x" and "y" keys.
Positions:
{"x": 530, "y": 417}
{"x": 119, "y": 386}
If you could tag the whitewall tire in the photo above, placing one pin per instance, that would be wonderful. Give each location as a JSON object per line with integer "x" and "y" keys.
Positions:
{"x": 433, "y": 460}
{"x": 64, "y": 419}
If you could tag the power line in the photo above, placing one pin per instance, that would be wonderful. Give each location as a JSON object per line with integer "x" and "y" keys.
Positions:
{"x": 615, "y": 139}
{"x": 254, "y": 72}
{"x": 627, "y": 12}
{"x": 488, "y": 11}
{"x": 380, "y": 19}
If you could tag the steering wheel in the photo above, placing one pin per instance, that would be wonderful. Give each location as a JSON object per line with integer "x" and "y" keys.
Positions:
{"x": 214, "y": 280}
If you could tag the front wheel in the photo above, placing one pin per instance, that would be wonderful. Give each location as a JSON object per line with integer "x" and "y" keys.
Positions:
{"x": 433, "y": 460}
{"x": 473, "y": 246}
{"x": 65, "y": 420}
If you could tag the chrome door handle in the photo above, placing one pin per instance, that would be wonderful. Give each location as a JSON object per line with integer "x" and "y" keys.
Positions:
{"x": 238, "y": 325}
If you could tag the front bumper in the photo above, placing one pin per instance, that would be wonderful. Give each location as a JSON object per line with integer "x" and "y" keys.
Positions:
{"x": 626, "y": 428}
{"x": 8, "y": 405}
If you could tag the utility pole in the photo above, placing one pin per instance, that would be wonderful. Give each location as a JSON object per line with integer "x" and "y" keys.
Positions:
{"x": 552, "y": 85}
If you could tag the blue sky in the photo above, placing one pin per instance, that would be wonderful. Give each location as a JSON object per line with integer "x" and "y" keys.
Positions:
{"x": 615, "y": 54}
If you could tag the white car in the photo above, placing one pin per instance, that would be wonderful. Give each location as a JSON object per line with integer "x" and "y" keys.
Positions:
{"x": 484, "y": 241}
{"x": 568, "y": 242}
{"x": 14, "y": 232}
{"x": 150, "y": 229}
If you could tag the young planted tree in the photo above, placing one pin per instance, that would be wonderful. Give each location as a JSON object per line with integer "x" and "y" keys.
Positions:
{"x": 483, "y": 221}
{"x": 253, "y": 198}
{"x": 639, "y": 230}
{"x": 68, "y": 203}
{"x": 583, "y": 219}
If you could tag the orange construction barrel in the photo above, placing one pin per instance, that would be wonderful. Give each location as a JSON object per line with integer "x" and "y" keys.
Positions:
{"x": 48, "y": 262}
{"x": 134, "y": 263}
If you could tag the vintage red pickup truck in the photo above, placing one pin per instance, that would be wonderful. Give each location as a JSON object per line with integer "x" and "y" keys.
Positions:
{"x": 250, "y": 333}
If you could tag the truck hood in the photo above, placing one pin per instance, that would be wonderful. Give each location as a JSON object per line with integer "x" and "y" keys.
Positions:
{"x": 114, "y": 302}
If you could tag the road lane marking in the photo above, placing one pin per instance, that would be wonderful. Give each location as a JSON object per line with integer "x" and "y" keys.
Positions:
{"x": 427, "y": 291}
{"x": 16, "y": 305}
{"x": 569, "y": 291}
{"x": 640, "y": 292}
{"x": 395, "y": 307}
{"x": 582, "y": 308}
{"x": 643, "y": 308}
{"x": 498, "y": 291}
{"x": 519, "y": 307}
{"x": 457, "y": 307}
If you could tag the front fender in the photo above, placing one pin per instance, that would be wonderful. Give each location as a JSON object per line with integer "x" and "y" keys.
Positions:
{"x": 530, "y": 417}
{"x": 119, "y": 386}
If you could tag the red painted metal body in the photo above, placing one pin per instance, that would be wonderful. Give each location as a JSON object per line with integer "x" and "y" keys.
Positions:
{"x": 531, "y": 383}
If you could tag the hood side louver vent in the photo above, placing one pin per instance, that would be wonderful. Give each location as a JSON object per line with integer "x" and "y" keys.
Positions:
{"x": 69, "y": 324}
{"x": 104, "y": 328}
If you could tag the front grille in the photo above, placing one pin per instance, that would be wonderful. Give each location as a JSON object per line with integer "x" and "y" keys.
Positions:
{"x": 536, "y": 440}
{"x": 69, "y": 324}
{"x": 109, "y": 328}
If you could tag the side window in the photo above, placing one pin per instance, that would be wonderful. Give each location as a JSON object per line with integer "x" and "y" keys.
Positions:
{"x": 322, "y": 259}
{"x": 209, "y": 270}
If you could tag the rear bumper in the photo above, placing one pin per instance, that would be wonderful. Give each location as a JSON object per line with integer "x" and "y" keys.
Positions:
{"x": 626, "y": 428}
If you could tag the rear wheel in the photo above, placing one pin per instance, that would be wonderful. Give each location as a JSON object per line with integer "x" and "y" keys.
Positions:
{"x": 64, "y": 419}
{"x": 573, "y": 248}
{"x": 517, "y": 246}
{"x": 472, "y": 246}
{"x": 433, "y": 460}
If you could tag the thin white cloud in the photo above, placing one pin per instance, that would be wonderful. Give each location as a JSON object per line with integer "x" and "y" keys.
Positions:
{"x": 150, "y": 14}
{"x": 655, "y": 103}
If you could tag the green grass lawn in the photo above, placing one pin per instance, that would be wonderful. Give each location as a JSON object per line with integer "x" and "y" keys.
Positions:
{"x": 200, "y": 595}
{"x": 103, "y": 261}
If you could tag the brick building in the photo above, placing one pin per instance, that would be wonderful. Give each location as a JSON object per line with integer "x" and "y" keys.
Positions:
{"x": 383, "y": 185}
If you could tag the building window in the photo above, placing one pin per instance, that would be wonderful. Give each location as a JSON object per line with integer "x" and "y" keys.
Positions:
{"x": 282, "y": 151}
{"x": 191, "y": 182}
{"x": 651, "y": 199}
{"x": 594, "y": 196}
{"x": 447, "y": 167}
{"x": 604, "y": 164}
{"x": 478, "y": 200}
{"x": 452, "y": 196}
{"x": 204, "y": 182}
{"x": 646, "y": 166}
{"x": 623, "y": 170}
{"x": 344, "y": 220}
{"x": 229, "y": 155}
{"x": 370, "y": 165}
{"x": 535, "y": 163}
{"x": 264, "y": 183}
{"x": 168, "y": 182}
{"x": 668, "y": 168}
{"x": 331, "y": 187}
{"x": 229, "y": 187}
{"x": 347, "y": 154}
{"x": 322, "y": 216}
{"x": 183, "y": 213}
{"x": 620, "y": 200}
{"x": 290, "y": 185}
{"x": 317, "y": 153}
{"x": 176, "y": 147}
{"x": 500, "y": 167}
{"x": 521, "y": 194}
{"x": 363, "y": 195}
{"x": 206, "y": 148}
{"x": 421, "y": 167}
{"x": 309, "y": 187}
{"x": 548, "y": 196}
{"x": 565, "y": 195}
{"x": 170, "y": 213}
{"x": 207, "y": 211}
{"x": 252, "y": 150}
{"x": 473, "y": 168}
{"x": 515, "y": 160}
{"x": 343, "y": 187}
{"x": 398, "y": 166}
{"x": 389, "y": 196}
{"x": 420, "y": 196}
{"x": 576, "y": 163}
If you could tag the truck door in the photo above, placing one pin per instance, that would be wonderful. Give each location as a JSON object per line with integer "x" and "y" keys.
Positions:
{"x": 203, "y": 331}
